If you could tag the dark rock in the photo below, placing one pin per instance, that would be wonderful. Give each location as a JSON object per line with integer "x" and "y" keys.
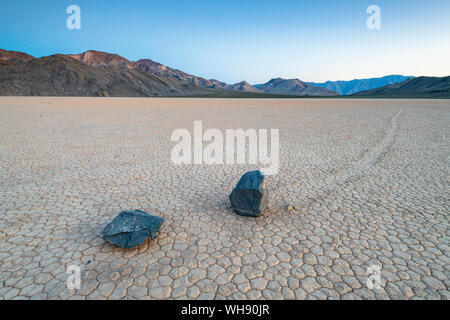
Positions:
{"x": 250, "y": 196}
{"x": 130, "y": 228}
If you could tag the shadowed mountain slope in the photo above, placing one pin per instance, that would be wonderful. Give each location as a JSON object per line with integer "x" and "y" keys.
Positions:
{"x": 420, "y": 87}
{"x": 356, "y": 85}
{"x": 60, "y": 75}
{"x": 105, "y": 59}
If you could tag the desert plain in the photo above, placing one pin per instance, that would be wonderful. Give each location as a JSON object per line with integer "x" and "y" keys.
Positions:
{"x": 361, "y": 183}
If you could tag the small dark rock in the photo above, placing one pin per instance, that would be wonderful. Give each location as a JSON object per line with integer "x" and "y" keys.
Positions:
{"x": 130, "y": 228}
{"x": 250, "y": 196}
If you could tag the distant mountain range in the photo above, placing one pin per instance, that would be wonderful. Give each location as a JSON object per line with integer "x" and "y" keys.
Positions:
{"x": 106, "y": 60}
{"x": 293, "y": 87}
{"x": 420, "y": 87}
{"x": 356, "y": 85}
{"x": 97, "y": 73}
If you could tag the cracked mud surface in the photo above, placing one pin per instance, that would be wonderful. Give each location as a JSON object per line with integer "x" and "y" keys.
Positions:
{"x": 360, "y": 183}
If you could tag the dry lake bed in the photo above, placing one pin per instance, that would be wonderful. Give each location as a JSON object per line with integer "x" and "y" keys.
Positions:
{"x": 362, "y": 185}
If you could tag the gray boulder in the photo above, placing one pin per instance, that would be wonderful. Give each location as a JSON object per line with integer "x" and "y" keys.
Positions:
{"x": 130, "y": 228}
{"x": 250, "y": 196}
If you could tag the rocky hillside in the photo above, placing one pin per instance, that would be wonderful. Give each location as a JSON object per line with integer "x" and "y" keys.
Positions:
{"x": 104, "y": 59}
{"x": 101, "y": 59}
{"x": 9, "y": 58}
{"x": 60, "y": 75}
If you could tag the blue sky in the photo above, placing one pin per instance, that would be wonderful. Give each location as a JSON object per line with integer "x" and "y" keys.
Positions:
{"x": 244, "y": 40}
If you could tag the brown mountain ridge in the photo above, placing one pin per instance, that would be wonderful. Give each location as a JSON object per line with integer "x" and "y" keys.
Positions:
{"x": 8, "y": 58}
{"x": 111, "y": 74}
{"x": 60, "y": 75}
{"x": 105, "y": 59}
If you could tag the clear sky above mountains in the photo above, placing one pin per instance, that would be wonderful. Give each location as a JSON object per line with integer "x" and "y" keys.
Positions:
{"x": 244, "y": 40}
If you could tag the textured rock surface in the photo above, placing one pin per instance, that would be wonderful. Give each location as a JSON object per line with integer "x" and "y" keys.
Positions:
{"x": 250, "y": 196}
{"x": 130, "y": 228}
{"x": 351, "y": 191}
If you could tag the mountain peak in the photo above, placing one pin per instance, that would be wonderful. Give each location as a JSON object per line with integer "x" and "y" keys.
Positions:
{"x": 293, "y": 87}
{"x": 100, "y": 59}
{"x": 244, "y": 86}
{"x": 275, "y": 80}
